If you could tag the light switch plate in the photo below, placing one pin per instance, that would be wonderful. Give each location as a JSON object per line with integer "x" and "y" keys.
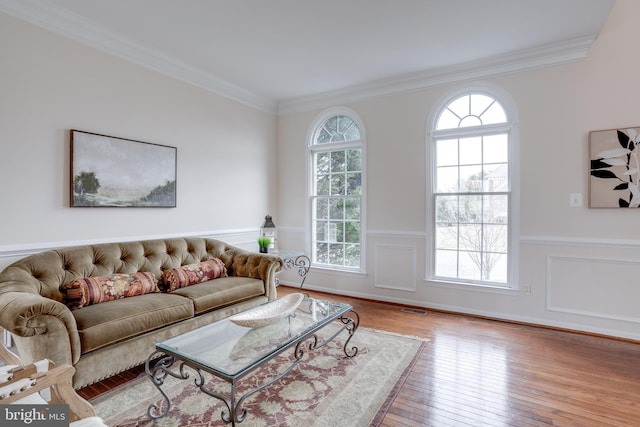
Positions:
{"x": 575, "y": 200}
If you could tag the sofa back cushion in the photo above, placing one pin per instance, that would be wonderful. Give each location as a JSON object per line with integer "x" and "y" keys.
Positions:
{"x": 94, "y": 290}
{"x": 43, "y": 273}
{"x": 190, "y": 274}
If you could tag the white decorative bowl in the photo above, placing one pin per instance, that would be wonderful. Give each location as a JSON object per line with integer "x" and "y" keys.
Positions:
{"x": 267, "y": 314}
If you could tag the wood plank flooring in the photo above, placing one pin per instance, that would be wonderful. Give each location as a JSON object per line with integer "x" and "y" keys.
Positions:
{"x": 479, "y": 372}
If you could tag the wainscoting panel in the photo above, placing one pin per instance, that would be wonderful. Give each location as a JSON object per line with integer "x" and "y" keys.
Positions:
{"x": 603, "y": 288}
{"x": 395, "y": 267}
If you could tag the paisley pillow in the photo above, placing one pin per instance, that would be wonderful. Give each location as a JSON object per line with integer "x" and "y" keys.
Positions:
{"x": 191, "y": 274}
{"x": 94, "y": 290}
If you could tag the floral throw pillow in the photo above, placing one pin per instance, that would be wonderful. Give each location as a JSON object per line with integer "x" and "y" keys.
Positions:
{"x": 94, "y": 290}
{"x": 191, "y": 274}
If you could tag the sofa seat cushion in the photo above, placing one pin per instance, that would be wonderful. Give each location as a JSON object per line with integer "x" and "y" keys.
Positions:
{"x": 107, "y": 323}
{"x": 221, "y": 292}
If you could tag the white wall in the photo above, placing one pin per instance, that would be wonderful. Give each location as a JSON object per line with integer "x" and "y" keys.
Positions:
{"x": 49, "y": 84}
{"x": 557, "y": 107}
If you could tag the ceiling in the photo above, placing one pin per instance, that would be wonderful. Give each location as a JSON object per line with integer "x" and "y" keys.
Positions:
{"x": 285, "y": 54}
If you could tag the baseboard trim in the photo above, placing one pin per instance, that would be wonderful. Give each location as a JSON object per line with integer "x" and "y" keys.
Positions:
{"x": 562, "y": 327}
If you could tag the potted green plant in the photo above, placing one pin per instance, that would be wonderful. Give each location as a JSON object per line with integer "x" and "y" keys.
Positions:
{"x": 263, "y": 243}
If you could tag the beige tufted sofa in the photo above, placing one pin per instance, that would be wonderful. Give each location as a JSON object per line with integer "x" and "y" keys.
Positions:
{"x": 104, "y": 339}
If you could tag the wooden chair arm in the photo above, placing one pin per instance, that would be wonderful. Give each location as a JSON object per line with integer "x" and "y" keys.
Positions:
{"x": 58, "y": 380}
{"x": 6, "y": 356}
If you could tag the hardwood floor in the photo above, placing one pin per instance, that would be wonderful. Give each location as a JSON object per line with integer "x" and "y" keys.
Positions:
{"x": 478, "y": 372}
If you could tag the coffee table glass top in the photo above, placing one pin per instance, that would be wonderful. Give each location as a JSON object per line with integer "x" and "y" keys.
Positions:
{"x": 231, "y": 350}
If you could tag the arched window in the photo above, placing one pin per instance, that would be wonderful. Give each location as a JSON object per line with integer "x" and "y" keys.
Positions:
{"x": 336, "y": 190}
{"x": 472, "y": 191}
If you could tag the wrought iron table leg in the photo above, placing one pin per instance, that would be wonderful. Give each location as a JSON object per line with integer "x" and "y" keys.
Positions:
{"x": 351, "y": 325}
{"x": 158, "y": 374}
{"x": 302, "y": 263}
{"x": 161, "y": 370}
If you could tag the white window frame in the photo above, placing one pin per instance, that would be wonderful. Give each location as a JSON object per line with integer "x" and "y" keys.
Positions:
{"x": 511, "y": 128}
{"x": 312, "y": 149}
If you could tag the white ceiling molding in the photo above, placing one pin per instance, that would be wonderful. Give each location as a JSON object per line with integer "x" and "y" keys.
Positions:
{"x": 45, "y": 15}
{"x": 546, "y": 56}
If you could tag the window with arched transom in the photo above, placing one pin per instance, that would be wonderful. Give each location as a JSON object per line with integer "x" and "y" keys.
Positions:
{"x": 472, "y": 191}
{"x": 336, "y": 190}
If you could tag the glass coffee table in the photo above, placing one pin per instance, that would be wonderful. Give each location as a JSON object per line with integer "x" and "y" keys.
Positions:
{"x": 230, "y": 352}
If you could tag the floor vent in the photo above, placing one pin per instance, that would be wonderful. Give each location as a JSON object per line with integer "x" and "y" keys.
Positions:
{"x": 413, "y": 311}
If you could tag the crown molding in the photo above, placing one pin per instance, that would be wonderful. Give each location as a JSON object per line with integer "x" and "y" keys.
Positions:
{"x": 524, "y": 60}
{"x": 44, "y": 14}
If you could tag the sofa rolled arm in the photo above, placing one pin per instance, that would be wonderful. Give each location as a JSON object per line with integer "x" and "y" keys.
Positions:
{"x": 258, "y": 266}
{"x": 43, "y": 328}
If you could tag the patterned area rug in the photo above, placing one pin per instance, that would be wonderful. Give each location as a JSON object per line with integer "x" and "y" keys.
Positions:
{"x": 325, "y": 389}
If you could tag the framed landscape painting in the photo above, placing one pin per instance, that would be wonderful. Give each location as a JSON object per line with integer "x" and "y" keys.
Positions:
{"x": 615, "y": 168}
{"x": 115, "y": 172}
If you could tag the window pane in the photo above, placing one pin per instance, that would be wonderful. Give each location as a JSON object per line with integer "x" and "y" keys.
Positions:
{"x": 470, "y": 121}
{"x": 495, "y": 148}
{"x": 354, "y": 160}
{"x": 336, "y": 254}
{"x": 446, "y": 210}
{"x": 494, "y": 239}
{"x": 323, "y": 185}
{"x": 336, "y": 231}
{"x": 470, "y": 209}
{"x": 447, "y": 152}
{"x": 447, "y": 179}
{"x": 344, "y": 124}
{"x": 495, "y": 114}
{"x": 352, "y": 134}
{"x": 352, "y": 208}
{"x": 471, "y": 178}
{"x": 495, "y": 209}
{"x": 498, "y": 271}
{"x": 470, "y": 237}
{"x": 470, "y": 151}
{"x": 446, "y": 236}
{"x": 322, "y": 163}
{"x": 496, "y": 178}
{"x": 322, "y": 208}
{"x": 469, "y": 267}
{"x": 352, "y": 255}
{"x": 460, "y": 106}
{"x": 337, "y": 161}
{"x": 479, "y": 103}
{"x": 321, "y": 231}
{"x": 352, "y": 232}
{"x": 336, "y": 210}
{"x": 322, "y": 253}
{"x": 354, "y": 184}
{"x": 338, "y": 184}
{"x": 446, "y": 263}
{"x": 323, "y": 137}
{"x": 448, "y": 120}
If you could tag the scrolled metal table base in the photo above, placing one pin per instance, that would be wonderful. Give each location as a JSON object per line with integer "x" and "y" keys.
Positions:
{"x": 236, "y": 412}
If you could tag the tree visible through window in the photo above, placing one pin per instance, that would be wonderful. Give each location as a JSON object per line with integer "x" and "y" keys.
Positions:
{"x": 336, "y": 194}
{"x": 471, "y": 191}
